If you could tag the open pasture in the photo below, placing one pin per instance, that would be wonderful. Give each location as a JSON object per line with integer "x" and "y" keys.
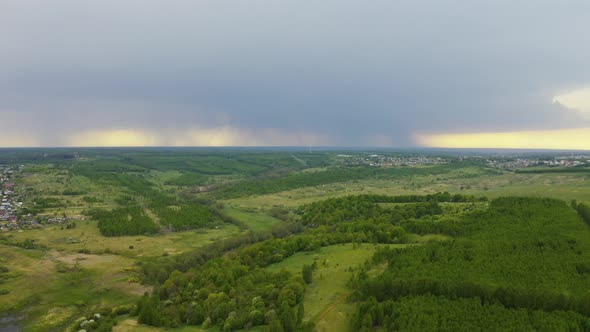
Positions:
{"x": 325, "y": 298}
{"x": 53, "y": 287}
{"x": 86, "y": 237}
{"x": 256, "y": 221}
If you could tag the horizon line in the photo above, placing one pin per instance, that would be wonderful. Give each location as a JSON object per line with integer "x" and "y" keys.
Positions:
{"x": 287, "y": 146}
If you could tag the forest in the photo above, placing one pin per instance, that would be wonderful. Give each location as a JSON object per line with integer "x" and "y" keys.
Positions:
{"x": 493, "y": 262}
{"x": 438, "y": 313}
{"x": 130, "y": 220}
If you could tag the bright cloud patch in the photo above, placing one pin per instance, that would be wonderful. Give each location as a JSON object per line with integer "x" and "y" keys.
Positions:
{"x": 112, "y": 138}
{"x": 222, "y": 136}
{"x": 578, "y": 139}
{"x": 578, "y": 100}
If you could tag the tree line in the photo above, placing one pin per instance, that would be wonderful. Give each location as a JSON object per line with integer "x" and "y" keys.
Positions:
{"x": 438, "y": 313}
{"x": 583, "y": 211}
{"x": 367, "y": 207}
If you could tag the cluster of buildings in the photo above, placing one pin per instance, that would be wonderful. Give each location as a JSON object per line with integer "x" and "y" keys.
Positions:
{"x": 378, "y": 160}
{"x": 573, "y": 161}
{"x": 500, "y": 161}
{"x": 59, "y": 220}
{"x": 516, "y": 163}
{"x": 9, "y": 205}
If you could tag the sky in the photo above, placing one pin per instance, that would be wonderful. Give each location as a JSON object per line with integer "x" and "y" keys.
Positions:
{"x": 391, "y": 73}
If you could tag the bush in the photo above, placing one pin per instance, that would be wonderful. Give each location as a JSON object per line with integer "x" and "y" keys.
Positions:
{"x": 122, "y": 310}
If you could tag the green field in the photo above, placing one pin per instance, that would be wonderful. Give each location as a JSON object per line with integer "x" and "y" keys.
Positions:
{"x": 325, "y": 298}
{"x": 101, "y": 279}
{"x": 256, "y": 221}
{"x": 52, "y": 287}
{"x": 87, "y": 237}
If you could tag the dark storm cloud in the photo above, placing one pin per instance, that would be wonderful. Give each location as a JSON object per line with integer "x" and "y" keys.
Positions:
{"x": 349, "y": 70}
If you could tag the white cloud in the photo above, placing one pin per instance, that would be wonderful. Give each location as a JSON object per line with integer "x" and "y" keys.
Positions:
{"x": 578, "y": 100}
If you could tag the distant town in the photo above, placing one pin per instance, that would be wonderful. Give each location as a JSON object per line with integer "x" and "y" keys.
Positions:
{"x": 381, "y": 160}
{"x": 10, "y": 204}
{"x": 563, "y": 161}
{"x": 13, "y": 215}
{"x": 501, "y": 162}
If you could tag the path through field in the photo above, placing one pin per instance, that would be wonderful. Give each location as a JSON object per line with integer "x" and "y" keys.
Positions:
{"x": 303, "y": 162}
{"x": 329, "y": 308}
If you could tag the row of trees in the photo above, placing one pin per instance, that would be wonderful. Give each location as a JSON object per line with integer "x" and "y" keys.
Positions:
{"x": 432, "y": 313}
{"x": 159, "y": 269}
{"x": 187, "y": 180}
{"x": 365, "y": 207}
{"x": 437, "y": 197}
{"x": 583, "y": 210}
{"x": 391, "y": 288}
{"x": 216, "y": 163}
{"x": 578, "y": 169}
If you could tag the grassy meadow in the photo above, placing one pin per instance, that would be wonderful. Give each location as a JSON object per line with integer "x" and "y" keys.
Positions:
{"x": 256, "y": 220}
{"x": 86, "y": 237}
{"x": 52, "y": 287}
{"x": 325, "y": 298}
{"x": 56, "y": 282}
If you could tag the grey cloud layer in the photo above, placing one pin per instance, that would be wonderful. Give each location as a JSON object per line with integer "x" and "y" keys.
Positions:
{"x": 350, "y": 70}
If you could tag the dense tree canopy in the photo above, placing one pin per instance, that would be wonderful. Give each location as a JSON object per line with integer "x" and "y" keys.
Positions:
{"x": 522, "y": 253}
